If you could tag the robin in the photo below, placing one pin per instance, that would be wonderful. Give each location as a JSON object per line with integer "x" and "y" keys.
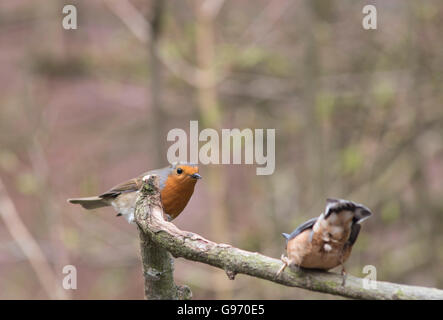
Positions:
{"x": 177, "y": 183}
{"x": 326, "y": 242}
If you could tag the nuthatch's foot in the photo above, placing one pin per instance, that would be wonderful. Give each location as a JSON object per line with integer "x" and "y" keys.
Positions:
{"x": 286, "y": 262}
{"x": 344, "y": 275}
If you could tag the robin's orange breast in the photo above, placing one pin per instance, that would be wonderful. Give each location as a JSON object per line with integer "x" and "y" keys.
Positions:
{"x": 175, "y": 195}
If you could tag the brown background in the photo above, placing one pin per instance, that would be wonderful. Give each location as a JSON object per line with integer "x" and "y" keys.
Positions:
{"x": 358, "y": 115}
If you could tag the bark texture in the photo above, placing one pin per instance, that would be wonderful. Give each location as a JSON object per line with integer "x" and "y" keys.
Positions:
{"x": 158, "y": 237}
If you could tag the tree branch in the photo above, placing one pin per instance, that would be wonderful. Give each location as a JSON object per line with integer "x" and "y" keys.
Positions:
{"x": 158, "y": 265}
{"x": 165, "y": 236}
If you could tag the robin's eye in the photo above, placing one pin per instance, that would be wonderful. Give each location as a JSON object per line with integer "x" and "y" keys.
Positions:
{"x": 179, "y": 171}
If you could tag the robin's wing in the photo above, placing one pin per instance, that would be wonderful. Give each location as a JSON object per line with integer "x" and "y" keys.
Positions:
{"x": 136, "y": 183}
{"x": 304, "y": 226}
{"x": 127, "y": 186}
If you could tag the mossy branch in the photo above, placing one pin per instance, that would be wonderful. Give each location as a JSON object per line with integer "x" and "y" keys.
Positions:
{"x": 159, "y": 238}
{"x": 158, "y": 265}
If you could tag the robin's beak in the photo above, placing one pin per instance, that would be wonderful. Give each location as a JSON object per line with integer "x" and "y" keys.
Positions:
{"x": 196, "y": 176}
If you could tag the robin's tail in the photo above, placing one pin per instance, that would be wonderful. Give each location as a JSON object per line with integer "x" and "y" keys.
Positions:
{"x": 90, "y": 202}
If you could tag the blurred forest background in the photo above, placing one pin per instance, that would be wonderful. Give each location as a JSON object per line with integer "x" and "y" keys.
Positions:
{"x": 358, "y": 115}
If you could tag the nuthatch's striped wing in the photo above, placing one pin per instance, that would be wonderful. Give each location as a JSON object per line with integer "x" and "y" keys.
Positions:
{"x": 355, "y": 230}
{"x": 361, "y": 212}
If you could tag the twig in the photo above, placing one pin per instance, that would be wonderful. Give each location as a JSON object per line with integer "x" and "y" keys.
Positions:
{"x": 141, "y": 29}
{"x": 191, "y": 246}
{"x": 29, "y": 245}
{"x": 212, "y": 7}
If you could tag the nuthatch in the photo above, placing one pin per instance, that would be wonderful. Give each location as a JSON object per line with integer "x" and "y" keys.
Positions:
{"x": 326, "y": 242}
